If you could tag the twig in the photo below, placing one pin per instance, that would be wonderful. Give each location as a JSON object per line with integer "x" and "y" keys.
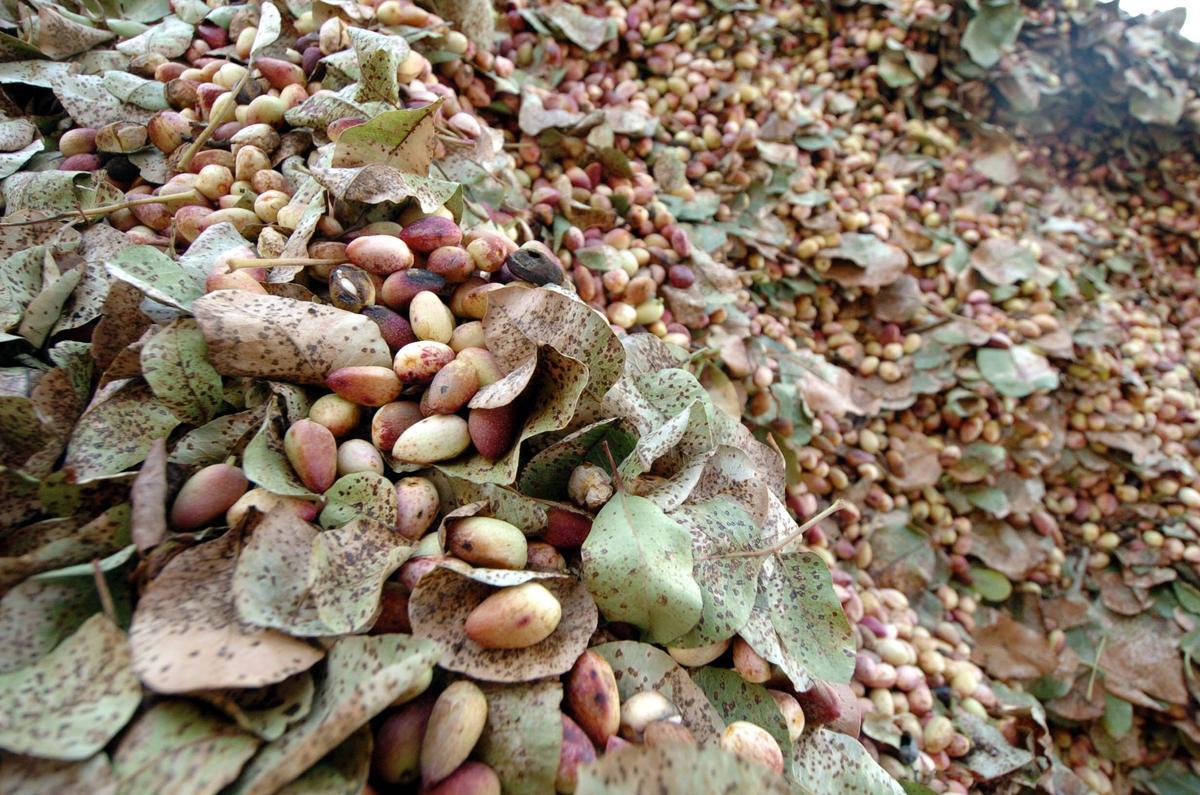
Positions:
{"x": 100, "y": 212}
{"x": 280, "y": 262}
{"x": 106, "y": 600}
{"x": 1096, "y": 666}
{"x": 214, "y": 122}
{"x": 612, "y": 462}
{"x": 779, "y": 546}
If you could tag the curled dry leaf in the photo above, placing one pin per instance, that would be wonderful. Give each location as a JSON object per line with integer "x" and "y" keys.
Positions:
{"x": 285, "y": 339}
{"x": 640, "y": 666}
{"x": 375, "y": 183}
{"x": 520, "y": 319}
{"x": 363, "y": 676}
{"x": 443, "y": 599}
{"x": 557, "y": 383}
{"x": 676, "y": 769}
{"x": 199, "y": 642}
{"x": 69, "y": 704}
{"x": 148, "y": 498}
{"x": 180, "y": 747}
{"x": 522, "y": 739}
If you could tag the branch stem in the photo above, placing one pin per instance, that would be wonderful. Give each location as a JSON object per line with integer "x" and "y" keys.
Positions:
{"x": 107, "y": 209}
{"x": 280, "y": 262}
{"x": 209, "y": 129}
{"x": 781, "y": 545}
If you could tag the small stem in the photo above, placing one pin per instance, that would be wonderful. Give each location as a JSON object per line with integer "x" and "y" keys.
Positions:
{"x": 106, "y": 600}
{"x": 612, "y": 462}
{"x": 107, "y": 209}
{"x": 1096, "y": 666}
{"x": 210, "y": 128}
{"x": 280, "y": 262}
{"x": 779, "y": 546}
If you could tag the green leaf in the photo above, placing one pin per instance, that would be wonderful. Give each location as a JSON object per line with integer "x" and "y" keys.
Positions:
{"x": 990, "y": 584}
{"x": 547, "y": 473}
{"x": 736, "y": 699}
{"x": 991, "y": 756}
{"x": 1188, "y": 596}
{"x": 993, "y": 29}
{"x": 215, "y": 441}
{"x": 174, "y": 364}
{"x": 829, "y": 763}
{"x": 522, "y": 739}
{"x": 363, "y": 676}
{"x": 32, "y": 776}
{"x": 364, "y": 495}
{"x": 637, "y": 563}
{"x": 342, "y": 771}
{"x": 181, "y": 748}
{"x": 136, "y": 90}
{"x": 402, "y": 139}
{"x": 1118, "y": 716}
{"x": 729, "y": 584}
{"x": 640, "y": 666}
{"x": 73, "y": 701}
{"x": 158, "y": 276}
{"x": 116, "y": 434}
{"x": 44, "y": 310}
{"x": 39, "y": 612}
{"x": 1017, "y": 371}
{"x": 263, "y": 460}
{"x": 676, "y": 769}
{"x": 266, "y": 711}
{"x": 376, "y": 183}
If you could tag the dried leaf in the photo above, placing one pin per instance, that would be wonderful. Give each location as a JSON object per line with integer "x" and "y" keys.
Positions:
{"x": 199, "y": 643}
{"x": 29, "y": 775}
{"x": 342, "y": 771}
{"x": 215, "y": 441}
{"x": 472, "y": 17}
{"x": 181, "y": 748}
{"x": 39, "y": 612}
{"x": 991, "y": 755}
{"x": 443, "y": 598}
{"x": 640, "y": 666}
{"x": 158, "y": 276}
{"x": 292, "y": 577}
{"x": 60, "y": 37}
{"x": 522, "y": 739}
{"x": 534, "y": 119}
{"x": 589, "y": 32}
{"x": 519, "y": 319}
{"x": 365, "y": 495}
{"x": 266, "y": 711}
{"x": 281, "y": 338}
{"x": 558, "y": 381}
{"x": 70, "y": 703}
{"x": 676, "y": 769}
{"x": 148, "y": 497}
{"x": 376, "y": 183}
{"x": 1010, "y": 650}
{"x": 862, "y": 260}
{"x": 379, "y": 57}
{"x": 363, "y": 676}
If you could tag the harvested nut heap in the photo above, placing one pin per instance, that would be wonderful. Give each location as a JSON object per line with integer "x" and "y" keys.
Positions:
{"x": 399, "y": 402}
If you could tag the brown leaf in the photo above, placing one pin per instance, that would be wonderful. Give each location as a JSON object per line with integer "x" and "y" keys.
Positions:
{"x": 285, "y": 339}
{"x": 862, "y": 260}
{"x": 443, "y": 598}
{"x": 186, "y": 634}
{"x": 148, "y": 496}
{"x": 1006, "y": 549}
{"x": 472, "y": 17}
{"x": 1141, "y": 661}
{"x": 1011, "y": 650}
{"x": 921, "y": 465}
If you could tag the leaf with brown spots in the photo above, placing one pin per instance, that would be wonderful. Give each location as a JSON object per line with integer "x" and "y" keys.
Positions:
{"x": 116, "y": 434}
{"x": 362, "y": 677}
{"x": 519, "y": 319}
{"x": 829, "y": 763}
{"x": 70, "y": 703}
{"x": 798, "y": 623}
{"x": 522, "y": 739}
{"x": 293, "y": 577}
{"x": 199, "y": 642}
{"x": 640, "y": 666}
{"x": 181, "y": 748}
{"x": 402, "y": 139}
{"x": 677, "y": 769}
{"x": 55, "y": 543}
{"x": 30, "y": 775}
{"x": 443, "y": 599}
{"x": 175, "y": 367}
{"x": 284, "y": 339}
{"x": 265, "y": 711}
{"x": 365, "y": 495}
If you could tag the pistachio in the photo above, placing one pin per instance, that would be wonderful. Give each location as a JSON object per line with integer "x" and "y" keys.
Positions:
{"x": 514, "y": 618}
